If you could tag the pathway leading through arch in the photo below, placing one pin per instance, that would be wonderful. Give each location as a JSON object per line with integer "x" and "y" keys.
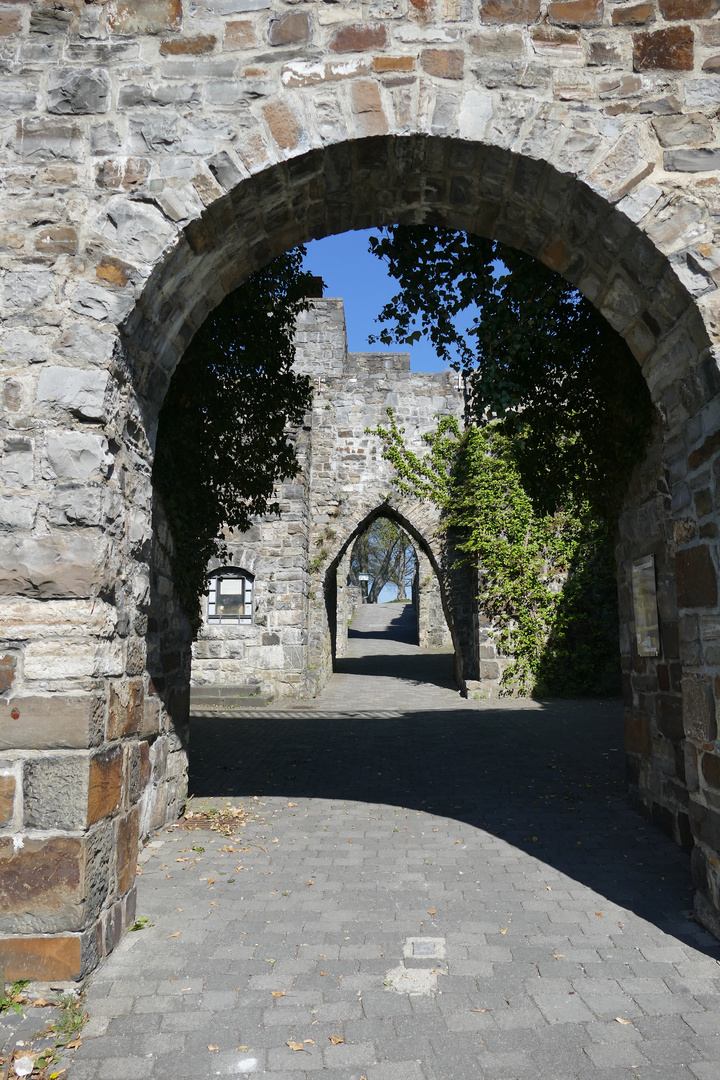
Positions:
{"x": 425, "y": 888}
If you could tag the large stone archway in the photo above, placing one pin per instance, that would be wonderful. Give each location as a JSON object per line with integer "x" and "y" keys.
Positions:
{"x": 153, "y": 154}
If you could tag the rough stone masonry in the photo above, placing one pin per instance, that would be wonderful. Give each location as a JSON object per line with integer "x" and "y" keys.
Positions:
{"x": 155, "y": 152}
{"x": 300, "y": 562}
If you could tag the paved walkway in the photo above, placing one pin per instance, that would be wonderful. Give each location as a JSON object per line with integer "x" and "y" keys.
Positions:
{"x": 423, "y": 889}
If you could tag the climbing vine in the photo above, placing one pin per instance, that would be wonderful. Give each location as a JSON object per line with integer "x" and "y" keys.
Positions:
{"x": 546, "y": 580}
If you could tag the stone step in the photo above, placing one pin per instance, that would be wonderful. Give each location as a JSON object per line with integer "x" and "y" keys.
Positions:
{"x": 227, "y": 697}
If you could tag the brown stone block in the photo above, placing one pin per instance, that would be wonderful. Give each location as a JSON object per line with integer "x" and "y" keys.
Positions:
{"x": 671, "y": 49}
{"x": 137, "y": 769}
{"x": 191, "y": 46}
{"x": 393, "y": 63}
{"x": 695, "y": 577}
{"x": 179, "y": 706}
{"x": 55, "y": 722}
{"x": 55, "y": 791}
{"x": 699, "y": 716}
{"x": 711, "y": 444}
{"x": 510, "y": 11}
{"x": 126, "y": 850}
{"x": 57, "y": 240}
{"x": 637, "y": 734}
{"x": 361, "y": 37}
{"x": 443, "y": 63}
{"x": 239, "y": 35}
{"x": 292, "y": 28}
{"x": 711, "y": 769}
{"x": 50, "y": 959}
{"x": 635, "y": 15}
{"x": 688, "y": 9}
{"x": 144, "y": 16}
{"x": 106, "y": 776}
{"x": 705, "y": 825}
{"x": 367, "y": 106}
{"x": 7, "y": 799}
{"x": 9, "y": 23}
{"x": 125, "y": 713}
{"x": 122, "y": 175}
{"x": 41, "y": 885}
{"x": 7, "y": 672}
{"x": 576, "y": 12}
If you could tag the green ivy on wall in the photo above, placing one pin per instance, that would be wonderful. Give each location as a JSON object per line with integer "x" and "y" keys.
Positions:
{"x": 546, "y": 580}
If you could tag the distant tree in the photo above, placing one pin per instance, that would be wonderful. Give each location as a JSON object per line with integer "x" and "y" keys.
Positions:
{"x": 223, "y": 439}
{"x": 384, "y": 552}
{"x": 536, "y": 355}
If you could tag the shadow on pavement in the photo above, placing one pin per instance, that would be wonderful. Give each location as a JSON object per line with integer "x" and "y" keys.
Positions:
{"x": 422, "y": 668}
{"x": 547, "y": 779}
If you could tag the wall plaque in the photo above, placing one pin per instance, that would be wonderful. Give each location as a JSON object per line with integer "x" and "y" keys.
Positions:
{"x": 647, "y": 629}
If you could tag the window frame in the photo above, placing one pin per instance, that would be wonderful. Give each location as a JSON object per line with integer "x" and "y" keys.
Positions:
{"x": 230, "y": 573}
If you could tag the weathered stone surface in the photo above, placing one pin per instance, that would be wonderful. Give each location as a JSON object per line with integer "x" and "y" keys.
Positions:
{"x": 17, "y": 468}
{"x": 105, "y": 785}
{"x": 74, "y": 92}
{"x": 701, "y": 160}
{"x": 79, "y": 391}
{"x": 696, "y": 578}
{"x": 55, "y": 792}
{"x": 125, "y": 714}
{"x": 8, "y": 665}
{"x": 7, "y": 800}
{"x": 144, "y": 16}
{"x": 510, "y": 11}
{"x": 683, "y": 129}
{"x": 367, "y": 108}
{"x": 361, "y": 38}
{"x": 189, "y": 46}
{"x": 9, "y": 23}
{"x": 126, "y": 848}
{"x": 50, "y": 959}
{"x": 56, "y": 240}
{"x": 55, "y": 721}
{"x": 698, "y": 698}
{"x": 283, "y": 124}
{"x": 672, "y": 49}
{"x": 41, "y": 885}
{"x": 239, "y": 35}
{"x": 46, "y": 139}
{"x": 77, "y": 506}
{"x": 576, "y": 12}
{"x": 49, "y": 566}
{"x": 443, "y": 63}
{"x": 633, "y": 15}
{"x": 670, "y": 717}
{"x": 85, "y": 343}
{"x": 292, "y": 28}
{"x": 688, "y": 9}
{"x": 30, "y": 620}
{"x": 76, "y": 455}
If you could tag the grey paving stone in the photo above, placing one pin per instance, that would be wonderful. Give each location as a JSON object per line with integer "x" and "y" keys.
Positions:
{"x": 465, "y": 773}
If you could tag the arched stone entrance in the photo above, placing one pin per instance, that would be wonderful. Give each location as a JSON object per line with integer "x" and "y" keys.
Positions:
{"x": 154, "y": 154}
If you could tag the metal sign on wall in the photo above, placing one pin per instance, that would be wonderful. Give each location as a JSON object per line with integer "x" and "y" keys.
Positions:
{"x": 647, "y": 629}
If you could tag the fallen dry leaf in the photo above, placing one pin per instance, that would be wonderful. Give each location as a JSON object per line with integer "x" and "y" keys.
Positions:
{"x": 479, "y": 1010}
{"x": 292, "y": 804}
{"x": 309, "y": 882}
{"x": 559, "y": 955}
{"x": 295, "y": 1045}
{"x": 323, "y": 972}
{"x": 40, "y": 1003}
{"x": 277, "y": 993}
{"x": 620, "y": 1020}
{"x": 176, "y": 934}
{"x": 503, "y": 931}
{"x": 335, "y": 1040}
{"x": 599, "y": 914}
{"x": 212, "y": 1046}
{"x": 244, "y": 1049}
{"x": 432, "y": 911}
{"x": 309, "y": 1041}
{"x": 74, "y": 1045}
{"x": 181, "y": 860}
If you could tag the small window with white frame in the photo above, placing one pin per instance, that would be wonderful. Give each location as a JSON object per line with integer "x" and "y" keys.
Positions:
{"x": 230, "y": 597}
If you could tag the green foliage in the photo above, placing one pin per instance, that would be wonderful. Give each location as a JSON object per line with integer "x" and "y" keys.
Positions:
{"x": 222, "y": 436}
{"x": 546, "y": 580}
{"x": 535, "y": 354}
{"x": 14, "y": 997}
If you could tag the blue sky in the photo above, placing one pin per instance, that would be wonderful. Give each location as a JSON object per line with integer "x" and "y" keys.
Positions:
{"x": 361, "y": 280}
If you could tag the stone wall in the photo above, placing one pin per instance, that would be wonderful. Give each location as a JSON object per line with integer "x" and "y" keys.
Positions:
{"x": 154, "y": 153}
{"x": 300, "y": 585}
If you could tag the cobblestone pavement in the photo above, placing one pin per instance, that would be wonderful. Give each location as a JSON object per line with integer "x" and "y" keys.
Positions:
{"x": 433, "y": 890}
